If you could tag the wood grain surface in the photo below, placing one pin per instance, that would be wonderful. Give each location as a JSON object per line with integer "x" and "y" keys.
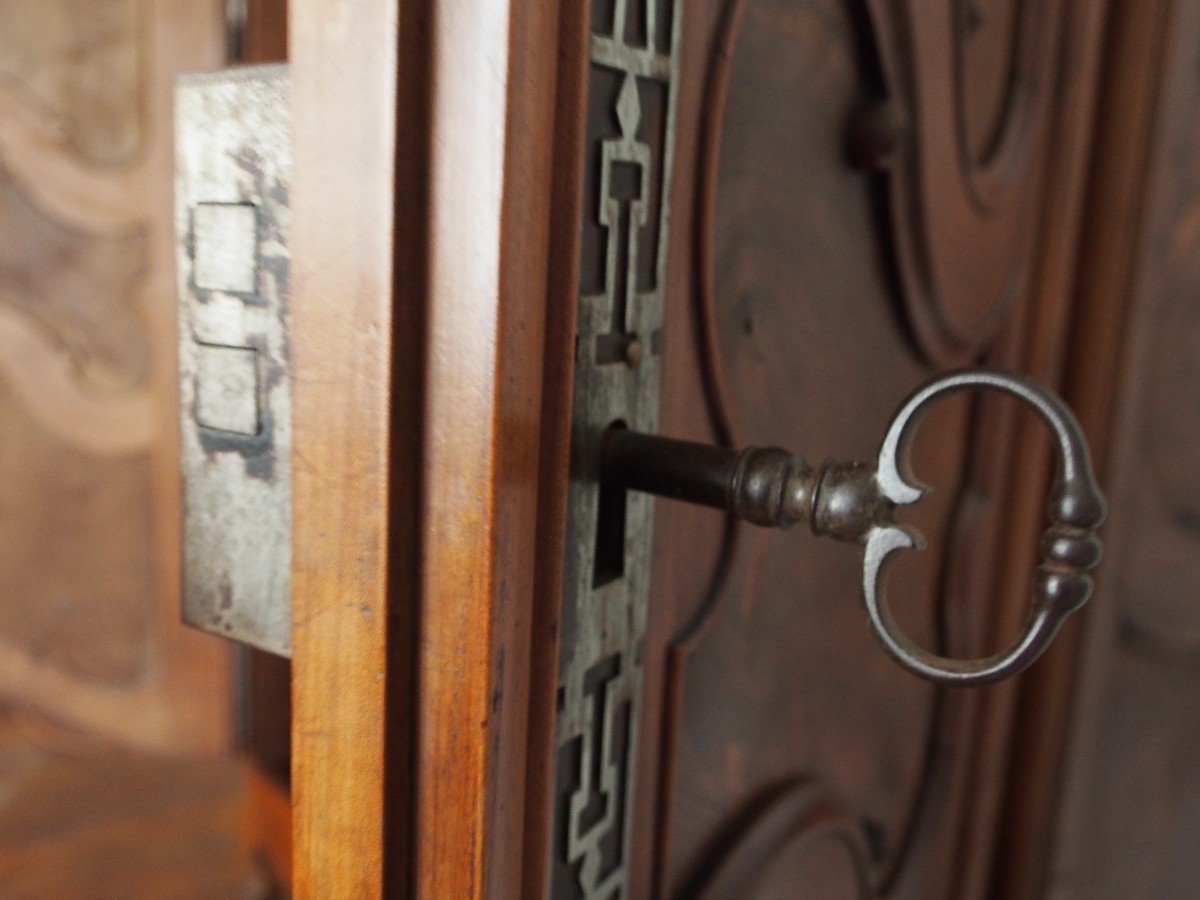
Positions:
{"x": 491, "y": 116}
{"x": 344, "y": 70}
{"x": 89, "y": 540}
{"x": 1108, "y": 248}
{"x": 1123, "y": 817}
{"x": 86, "y": 818}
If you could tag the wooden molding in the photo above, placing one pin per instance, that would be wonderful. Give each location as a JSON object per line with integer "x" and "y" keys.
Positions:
{"x": 421, "y": 225}
{"x": 344, "y": 65}
{"x": 493, "y": 66}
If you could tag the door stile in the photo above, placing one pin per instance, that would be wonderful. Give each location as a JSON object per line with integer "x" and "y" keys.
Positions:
{"x": 553, "y": 475}
{"x": 353, "y": 574}
{"x": 423, "y": 144}
{"x": 1057, "y": 699}
{"x": 492, "y": 77}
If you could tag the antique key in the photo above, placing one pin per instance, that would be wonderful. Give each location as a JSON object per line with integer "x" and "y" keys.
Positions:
{"x": 856, "y": 502}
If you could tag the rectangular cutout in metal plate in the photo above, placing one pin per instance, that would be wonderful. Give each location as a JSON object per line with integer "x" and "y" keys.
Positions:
{"x": 233, "y": 171}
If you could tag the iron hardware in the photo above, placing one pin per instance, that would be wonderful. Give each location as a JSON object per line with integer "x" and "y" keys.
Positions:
{"x": 233, "y": 173}
{"x": 856, "y": 502}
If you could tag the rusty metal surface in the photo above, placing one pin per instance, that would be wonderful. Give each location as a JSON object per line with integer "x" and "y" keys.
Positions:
{"x": 233, "y": 166}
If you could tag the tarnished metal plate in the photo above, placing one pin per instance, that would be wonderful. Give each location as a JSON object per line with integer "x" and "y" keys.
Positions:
{"x": 233, "y": 168}
{"x": 630, "y": 143}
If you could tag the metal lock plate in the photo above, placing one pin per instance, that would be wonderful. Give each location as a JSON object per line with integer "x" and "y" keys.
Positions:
{"x": 233, "y": 171}
{"x": 631, "y": 140}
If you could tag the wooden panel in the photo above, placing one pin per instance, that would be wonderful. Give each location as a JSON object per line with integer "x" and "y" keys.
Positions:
{"x": 493, "y": 66}
{"x": 783, "y": 326}
{"x": 553, "y": 472}
{"x": 964, "y": 137}
{"x": 344, "y": 69}
{"x": 1108, "y": 248}
{"x": 85, "y": 71}
{"x": 769, "y": 705}
{"x": 1129, "y": 821}
{"x": 113, "y": 714}
{"x": 418, "y": 311}
{"x": 83, "y": 818}
{"x": 1048, "y": 332}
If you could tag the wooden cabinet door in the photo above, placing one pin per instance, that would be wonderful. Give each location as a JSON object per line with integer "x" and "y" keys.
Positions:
{"x": 860, "y": 195}
{"x": 1109, "y": 807}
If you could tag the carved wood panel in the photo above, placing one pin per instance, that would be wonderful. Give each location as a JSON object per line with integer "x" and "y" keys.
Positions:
{"x": 780, "y": 752}
{"x": 964, "y": 136}
{"x": 1130, "y": 816}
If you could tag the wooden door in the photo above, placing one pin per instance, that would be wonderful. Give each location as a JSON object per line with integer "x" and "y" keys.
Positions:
{"x": 830, "y": 200}
{"x": 847, "y": 229}
{"x": 859, "y": 195}
{"x": 1107, "y": 802}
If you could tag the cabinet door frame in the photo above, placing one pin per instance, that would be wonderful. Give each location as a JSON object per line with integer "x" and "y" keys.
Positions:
{"x": 423, "y": 136}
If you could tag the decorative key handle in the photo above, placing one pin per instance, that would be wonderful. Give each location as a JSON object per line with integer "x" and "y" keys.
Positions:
{"x": 857, "y": 502}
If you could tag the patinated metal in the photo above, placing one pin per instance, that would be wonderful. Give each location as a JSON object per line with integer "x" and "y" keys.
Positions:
{"x": 617, "y": 379}
{"x": 857, "y": 502}
{"x": 233, "y": 167}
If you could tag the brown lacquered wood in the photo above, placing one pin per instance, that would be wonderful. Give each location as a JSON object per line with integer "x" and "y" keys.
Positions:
{"x": 1107, "y": 248}
{"x": 491, "y": 119}
{"x": 1038, "y": 343}
{"x": 86, "y": 818}
{"x": 265, "y": 35}
{"x": 90, "y": 635}
{"x": 349, "y": 574}
{"x": 266, "y": 825}
{"x": 558, "y": 362}
{"x": 115, "y": 718}
{"x": 759, "y": 665}
{"x": 439, "y": 352}
{"x": 1117, "y": 820}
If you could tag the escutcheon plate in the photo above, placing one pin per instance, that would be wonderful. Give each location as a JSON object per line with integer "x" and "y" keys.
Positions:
{"x": 633, "y": 77}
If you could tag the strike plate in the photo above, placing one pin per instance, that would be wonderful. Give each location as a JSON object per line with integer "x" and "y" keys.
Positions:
{"x": 233, "y": 168}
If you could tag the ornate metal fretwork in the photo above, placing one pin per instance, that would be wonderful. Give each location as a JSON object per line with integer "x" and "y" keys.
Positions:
{"x": 633, "y": 80}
